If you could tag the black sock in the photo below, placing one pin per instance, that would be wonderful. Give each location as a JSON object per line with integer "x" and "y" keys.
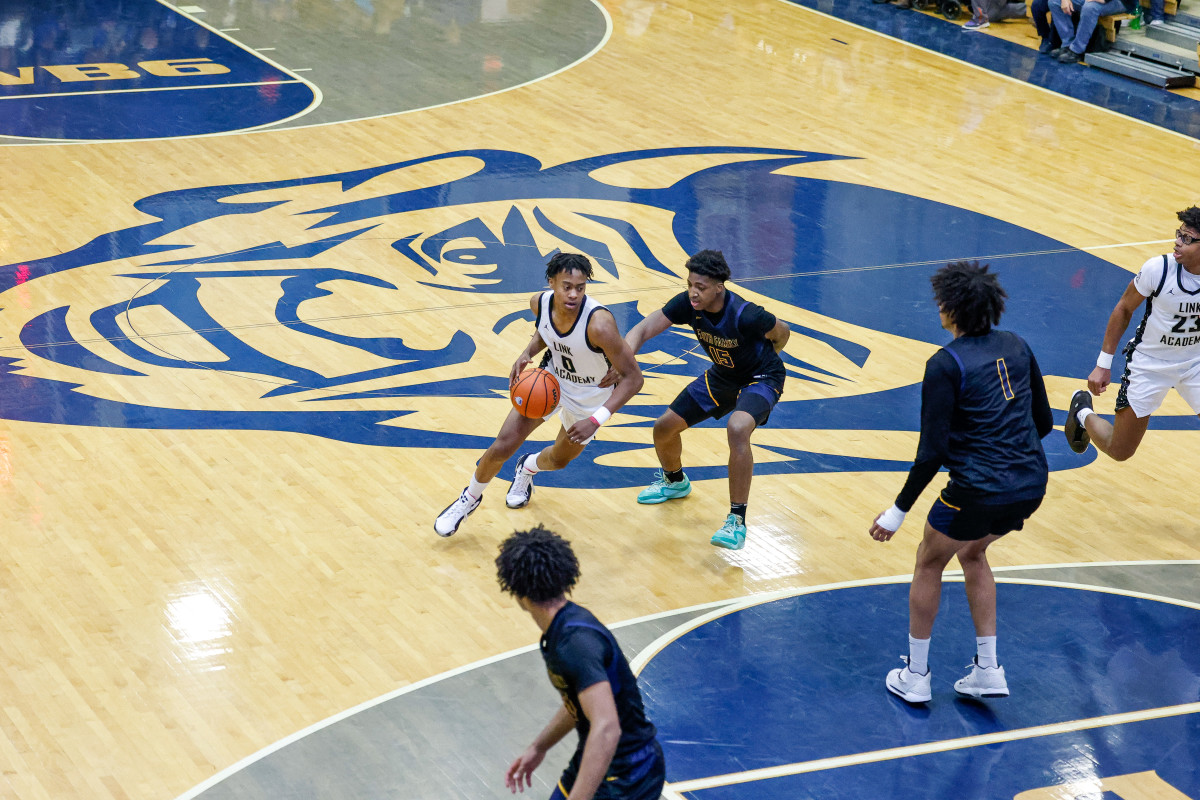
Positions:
{"x": 739, "y": 510}
{"x": 674, "y": 477}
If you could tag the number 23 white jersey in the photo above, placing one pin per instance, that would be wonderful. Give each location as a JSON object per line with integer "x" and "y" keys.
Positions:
{"x": 571, "y": 357}
{"x": 1170, "y": 329}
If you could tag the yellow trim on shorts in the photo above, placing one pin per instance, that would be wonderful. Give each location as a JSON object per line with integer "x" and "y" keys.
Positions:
{"x": 709, "y": 390}
{"x": 943, "y": 499}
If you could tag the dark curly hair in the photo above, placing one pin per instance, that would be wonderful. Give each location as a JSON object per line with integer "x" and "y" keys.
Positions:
{"x": 1190, "y": 217}
{"x": 970, "y": 294}
{"x": 565, "y": 262}
{"x": 536, "y": 564}
{"x": 710, "y": 264}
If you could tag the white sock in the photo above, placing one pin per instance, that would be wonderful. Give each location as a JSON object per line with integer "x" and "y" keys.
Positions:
{"x": 985, "y": 647}
{"x": 476, "y": 487}
{"x": 530, "y": 465}
{"x": 1082, "y": 416}
{"x": 918, "y": 655}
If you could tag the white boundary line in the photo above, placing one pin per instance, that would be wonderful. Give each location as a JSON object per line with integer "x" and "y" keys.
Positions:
{"x": 149, "y": 89}
{"x": 875, "y": 756}
{"x": 608, "y": 29}
{"x": 720, "y": 608}
{"x": 987, "y": 71}
{"x": 674, "y": 791}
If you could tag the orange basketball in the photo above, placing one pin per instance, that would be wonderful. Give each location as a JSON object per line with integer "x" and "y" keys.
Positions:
{"x": 535, "y": 394}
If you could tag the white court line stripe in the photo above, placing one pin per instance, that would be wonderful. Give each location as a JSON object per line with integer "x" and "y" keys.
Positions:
{"x": 31, "y": 141}
{"x": 933, "y": 747}
{"x": 993, "y": 73}
{"x": 640, "y": 660}
{"x": 151, "y": 89}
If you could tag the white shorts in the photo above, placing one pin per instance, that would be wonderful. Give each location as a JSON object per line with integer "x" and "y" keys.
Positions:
{"x": 1147, "y": 380}
{"x": 569, "y": 411}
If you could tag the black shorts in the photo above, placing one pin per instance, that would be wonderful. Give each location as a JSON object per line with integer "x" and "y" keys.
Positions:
{"x": 639, "y": 776}
{"x": 972, "y": 521}
{"x": 711, "y": 396}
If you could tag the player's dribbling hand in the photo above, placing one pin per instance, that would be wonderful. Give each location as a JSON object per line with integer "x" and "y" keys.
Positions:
{"x": 879, "y": 533}
{"x": 517, "y": 369}
{"x": 1099, "y": 379}
{"x": 520, "y": 774}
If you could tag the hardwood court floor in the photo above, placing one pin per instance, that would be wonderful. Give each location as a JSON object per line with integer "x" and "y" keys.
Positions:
{"x": 178, "y": 595}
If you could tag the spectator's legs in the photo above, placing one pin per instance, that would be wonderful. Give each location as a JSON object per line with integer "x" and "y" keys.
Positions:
{"x": 1157, "y": 10}
{"x": 1062, "y": 22}
{"x": 1013, "y": 10}
{"x": 1088, "y": 17}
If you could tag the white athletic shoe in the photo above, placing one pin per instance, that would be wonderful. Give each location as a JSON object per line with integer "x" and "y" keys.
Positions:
{"x": 522, "y": 486}
{"x": 908, "y": 685}
{"x": 448, "y": 521}
{"x": 982, "y": 682}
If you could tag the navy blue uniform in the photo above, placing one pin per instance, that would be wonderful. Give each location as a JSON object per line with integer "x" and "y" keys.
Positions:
{"x": 580, "y": 652}
{"x": 746, "y": 374}
{"x": 984, "y": 412}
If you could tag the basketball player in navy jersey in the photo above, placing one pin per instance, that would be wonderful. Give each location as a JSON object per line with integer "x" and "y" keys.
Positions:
{"x": 745, "y": 381}
{"x": 582, "y": 344}
{"x": 1163, "y": 353}
{"x": 984, "y": 413}
{"x": 618, "y": 755}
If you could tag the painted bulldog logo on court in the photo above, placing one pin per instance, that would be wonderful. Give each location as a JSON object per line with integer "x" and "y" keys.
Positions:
{"x": 351, "y": 306}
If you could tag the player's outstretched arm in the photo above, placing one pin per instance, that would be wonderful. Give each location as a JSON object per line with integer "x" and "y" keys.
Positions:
{"x": 535, "y": 346}
{"x": 1118, "y": 321}
{"x": 600, "y": 708}
{"x": 520, "y": 772}
{"x": 647, "y": 329}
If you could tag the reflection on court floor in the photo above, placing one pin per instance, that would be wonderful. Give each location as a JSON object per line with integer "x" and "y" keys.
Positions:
{"x": 786, "y": 699}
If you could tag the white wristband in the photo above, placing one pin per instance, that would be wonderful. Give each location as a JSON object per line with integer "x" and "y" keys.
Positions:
{"x": 1104, "y": 360}
{"x": 601, "y": 415}
{"x": 891, "y": 519}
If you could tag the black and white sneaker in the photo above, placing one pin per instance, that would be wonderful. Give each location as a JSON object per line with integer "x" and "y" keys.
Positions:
{"x": 521, "y": 490}
{"x": 448, "y": 521}
{"x": 1077, "y": 435}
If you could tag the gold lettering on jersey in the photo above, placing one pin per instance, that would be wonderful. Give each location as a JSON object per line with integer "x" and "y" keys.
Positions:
{"x": 716, "y": 341}
{"x": 560, "y": 683}
{"x": 721, "y": 357}
{"x": 183, "y": 67}
{"x": 24, "y": 75}
{"x": 1136, "y": 786}
{"x": 69, "y": 73}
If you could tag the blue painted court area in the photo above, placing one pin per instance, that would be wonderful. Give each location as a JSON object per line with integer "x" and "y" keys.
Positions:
{"x": 800, "y": 679}
{"x": 132, "y": 70}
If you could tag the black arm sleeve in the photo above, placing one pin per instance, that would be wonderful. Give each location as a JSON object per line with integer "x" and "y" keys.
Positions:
{"x": 938, "y": 392}
{"x": 1043, "y": 419}
{"x": 678, "y": 309}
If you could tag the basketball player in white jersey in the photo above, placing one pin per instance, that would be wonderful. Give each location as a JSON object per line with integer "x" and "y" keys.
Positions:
{"x": 581, "y": 339}
{"x": 1163, "y": 353}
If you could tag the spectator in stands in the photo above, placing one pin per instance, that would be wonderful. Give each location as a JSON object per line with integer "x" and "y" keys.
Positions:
{"x": 1158, "y": 14}
{"x": 988, "y": 11}
{"x": 1040, "y": 11}
{"x": 1075, "y": 36}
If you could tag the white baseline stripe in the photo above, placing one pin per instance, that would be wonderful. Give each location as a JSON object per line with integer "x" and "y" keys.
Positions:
{"x": 992, "y": 72}
{"x": 932, "y": 747}
{"x": 149, "y": 89}
{"x": 637, "y": 663}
